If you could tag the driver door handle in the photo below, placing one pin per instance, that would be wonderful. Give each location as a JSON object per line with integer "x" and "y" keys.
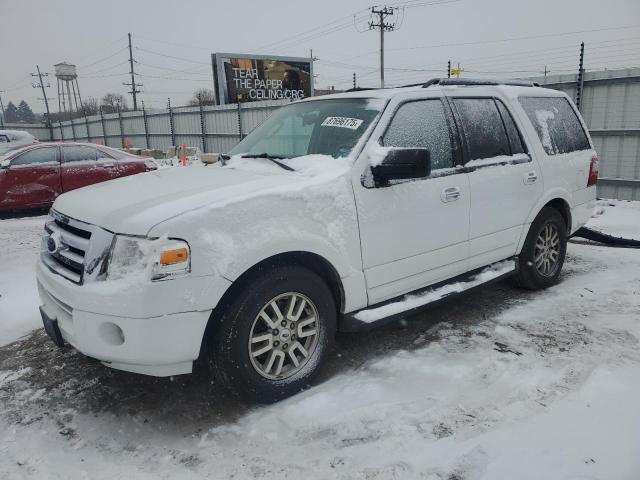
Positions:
{"x": 450, "y": 194}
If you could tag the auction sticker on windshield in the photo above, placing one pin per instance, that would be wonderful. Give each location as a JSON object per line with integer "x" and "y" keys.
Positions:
{"x": 342, "y": 122}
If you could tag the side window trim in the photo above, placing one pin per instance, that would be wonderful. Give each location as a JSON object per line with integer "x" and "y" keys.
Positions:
{"x": 499, "y": 102}
{"x": 520, "y": 158}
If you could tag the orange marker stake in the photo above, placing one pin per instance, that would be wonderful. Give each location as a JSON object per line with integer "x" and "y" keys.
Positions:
{"x": 184, "y": 157}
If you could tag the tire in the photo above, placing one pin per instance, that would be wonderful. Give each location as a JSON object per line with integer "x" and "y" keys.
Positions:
{"x": 534, "y": 274}
{"x": 244, "y": 331}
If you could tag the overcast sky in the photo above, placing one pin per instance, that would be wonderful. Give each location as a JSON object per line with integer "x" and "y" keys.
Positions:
{"x": 173, "y": 40}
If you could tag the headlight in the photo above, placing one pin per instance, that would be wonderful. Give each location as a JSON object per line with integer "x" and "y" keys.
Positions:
{"x": 154, "y": 259}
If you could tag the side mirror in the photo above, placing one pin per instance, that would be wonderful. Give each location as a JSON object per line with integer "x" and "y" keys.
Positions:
{"x": 4, "y": 164}
{"x": 402, "y": 164}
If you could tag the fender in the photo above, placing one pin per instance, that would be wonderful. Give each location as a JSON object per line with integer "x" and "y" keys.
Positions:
{"x": 548, "y": 196}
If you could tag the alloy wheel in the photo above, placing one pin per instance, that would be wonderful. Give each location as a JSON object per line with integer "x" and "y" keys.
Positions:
{"x": 284, "y": 336}
{"x": 547, "y": 250}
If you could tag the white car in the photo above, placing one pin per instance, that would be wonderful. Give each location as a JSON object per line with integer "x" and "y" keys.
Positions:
{"x": 338, "y": 212}
{"x": 13, "y": 139}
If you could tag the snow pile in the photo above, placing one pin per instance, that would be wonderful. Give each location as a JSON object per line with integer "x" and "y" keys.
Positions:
{"x": 20, "y": 239}
{"x": 619, "y": 218}
{"x": 409, "y": 302}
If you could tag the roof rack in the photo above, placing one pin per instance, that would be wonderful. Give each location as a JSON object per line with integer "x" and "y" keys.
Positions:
{"x": 477, "y": 82}
{"x": 361, "y": 89}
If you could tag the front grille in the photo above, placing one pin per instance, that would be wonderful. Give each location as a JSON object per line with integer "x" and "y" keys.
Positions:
{"x": 73, "y": 249}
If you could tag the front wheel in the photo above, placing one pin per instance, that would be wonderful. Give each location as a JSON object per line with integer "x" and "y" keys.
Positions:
{"x": 273, "y": 339}
{"x": 544, "y": 250}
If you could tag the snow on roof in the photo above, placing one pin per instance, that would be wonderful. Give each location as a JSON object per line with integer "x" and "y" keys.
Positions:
{"x": 510, "y": 91}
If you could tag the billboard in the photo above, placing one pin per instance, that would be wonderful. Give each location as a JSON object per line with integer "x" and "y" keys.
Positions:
{"x": 243, "y": 78}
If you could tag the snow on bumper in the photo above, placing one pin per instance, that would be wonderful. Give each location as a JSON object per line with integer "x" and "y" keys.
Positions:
{"x": 148, "y": 329}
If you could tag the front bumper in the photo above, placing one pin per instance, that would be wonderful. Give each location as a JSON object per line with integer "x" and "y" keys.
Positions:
{"x": 153, "y": 328}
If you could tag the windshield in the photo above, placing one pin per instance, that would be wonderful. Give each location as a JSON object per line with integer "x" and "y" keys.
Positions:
{"x": 326, "y": 127}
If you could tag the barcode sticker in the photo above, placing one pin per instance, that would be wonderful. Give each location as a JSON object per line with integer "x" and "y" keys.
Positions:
{"x": 342, "y": 122}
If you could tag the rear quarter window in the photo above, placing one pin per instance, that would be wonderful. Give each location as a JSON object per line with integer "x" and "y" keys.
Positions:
{"x": 556, "y": 123}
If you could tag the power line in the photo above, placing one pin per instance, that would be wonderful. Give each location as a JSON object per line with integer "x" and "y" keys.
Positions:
{"x": 103, "y": 59}
{"x": 171, "y": 56}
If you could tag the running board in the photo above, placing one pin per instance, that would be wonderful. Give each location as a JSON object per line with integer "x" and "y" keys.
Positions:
{"x": 414, "y": 302}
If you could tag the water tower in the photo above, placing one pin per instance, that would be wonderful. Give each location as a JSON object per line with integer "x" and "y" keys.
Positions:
{"x": 67, "y": 80}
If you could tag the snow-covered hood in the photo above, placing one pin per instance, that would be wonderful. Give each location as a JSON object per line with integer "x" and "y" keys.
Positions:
{"x": 133, "y": 205}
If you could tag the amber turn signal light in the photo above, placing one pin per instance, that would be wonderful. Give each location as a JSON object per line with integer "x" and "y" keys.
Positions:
{"x": 171, "y": 257}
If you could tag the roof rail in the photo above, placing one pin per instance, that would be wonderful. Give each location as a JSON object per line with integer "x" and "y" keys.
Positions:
{"x": 478, "y": 82}
{"x": 361, "y": 89}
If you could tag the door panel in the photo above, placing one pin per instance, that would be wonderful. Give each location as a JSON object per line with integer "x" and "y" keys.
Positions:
{"x": 32, "y": 180}
{"x": 81, "y": 168}
{"x": 414, "y": 233}
{"x": 505, "y": 183}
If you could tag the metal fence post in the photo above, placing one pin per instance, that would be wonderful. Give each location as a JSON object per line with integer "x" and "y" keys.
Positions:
{"x": 171, "y": 131}
{"x": 86, "y": 124}
{"x": 73, "y": 130}
{"x": 121, "y": 129}
{"x": 104, "y": 130}
{"x": 146, "y": 126}
{"x": 61, "y": 131}
{"x": 203, "y": 129}
{"x": 240, "y": 134}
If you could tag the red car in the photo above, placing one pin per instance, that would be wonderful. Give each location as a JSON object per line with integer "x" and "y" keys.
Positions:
{"x": 32, "y": 177}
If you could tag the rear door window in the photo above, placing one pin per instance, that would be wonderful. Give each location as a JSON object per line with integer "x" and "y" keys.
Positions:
{"x": 78, "y": 153}
{"x": 556, "y": 124}
{"x": 482, "y": 128}
{"x": 37, "y": 156}
{"x": 422, "y": 124}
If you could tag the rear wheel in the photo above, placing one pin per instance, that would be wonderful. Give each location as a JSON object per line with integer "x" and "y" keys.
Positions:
{"x": 274, "y": 337}
{"x": 544, "y": 250}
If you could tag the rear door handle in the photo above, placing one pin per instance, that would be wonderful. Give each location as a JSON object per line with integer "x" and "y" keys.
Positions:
{"x": 450, "y": 194}
{"x": 108, "y": 165}
{"x": 530, "y": 178}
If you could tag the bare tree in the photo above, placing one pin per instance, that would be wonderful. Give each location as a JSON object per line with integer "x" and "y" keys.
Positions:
{"x": 111, "y": 102}
{"x": 90, "y": 107}
{"x": 207, "y": 96}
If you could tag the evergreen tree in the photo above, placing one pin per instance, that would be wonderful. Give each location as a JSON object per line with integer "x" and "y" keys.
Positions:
{"x": 25, "y": 114}
{"x": 11, "y": 113}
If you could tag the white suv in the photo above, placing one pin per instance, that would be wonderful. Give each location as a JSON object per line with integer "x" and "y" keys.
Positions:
{"x": 338, "y": 212}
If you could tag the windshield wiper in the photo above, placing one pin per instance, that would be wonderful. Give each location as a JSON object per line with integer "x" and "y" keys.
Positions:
{"x": 272, "y": 158}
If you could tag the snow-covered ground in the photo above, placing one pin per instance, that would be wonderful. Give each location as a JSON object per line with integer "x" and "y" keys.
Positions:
{"x": 617, "y": 217}
{"x": 496, "y": 384}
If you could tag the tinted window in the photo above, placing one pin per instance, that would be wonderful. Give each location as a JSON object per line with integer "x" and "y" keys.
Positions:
{"x": 482, "y": 128}
{"x": 515, "y": 139}
{"x": 422, "y": 124}
{"x": 36, "y": 156}
{"x": 556, "y": 124}
{"x": 78, "y": 154}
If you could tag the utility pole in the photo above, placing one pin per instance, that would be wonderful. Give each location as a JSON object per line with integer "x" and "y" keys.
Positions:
{"x": 44, "y": 95}
{"x": 134, "y": 91}
{"x": 545, "y": 73}
{"x": 354, "y": 80}
{"x": 382, "y": 14}
{"x": 449, "y": 69}
{"x": 580, "y": 79}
